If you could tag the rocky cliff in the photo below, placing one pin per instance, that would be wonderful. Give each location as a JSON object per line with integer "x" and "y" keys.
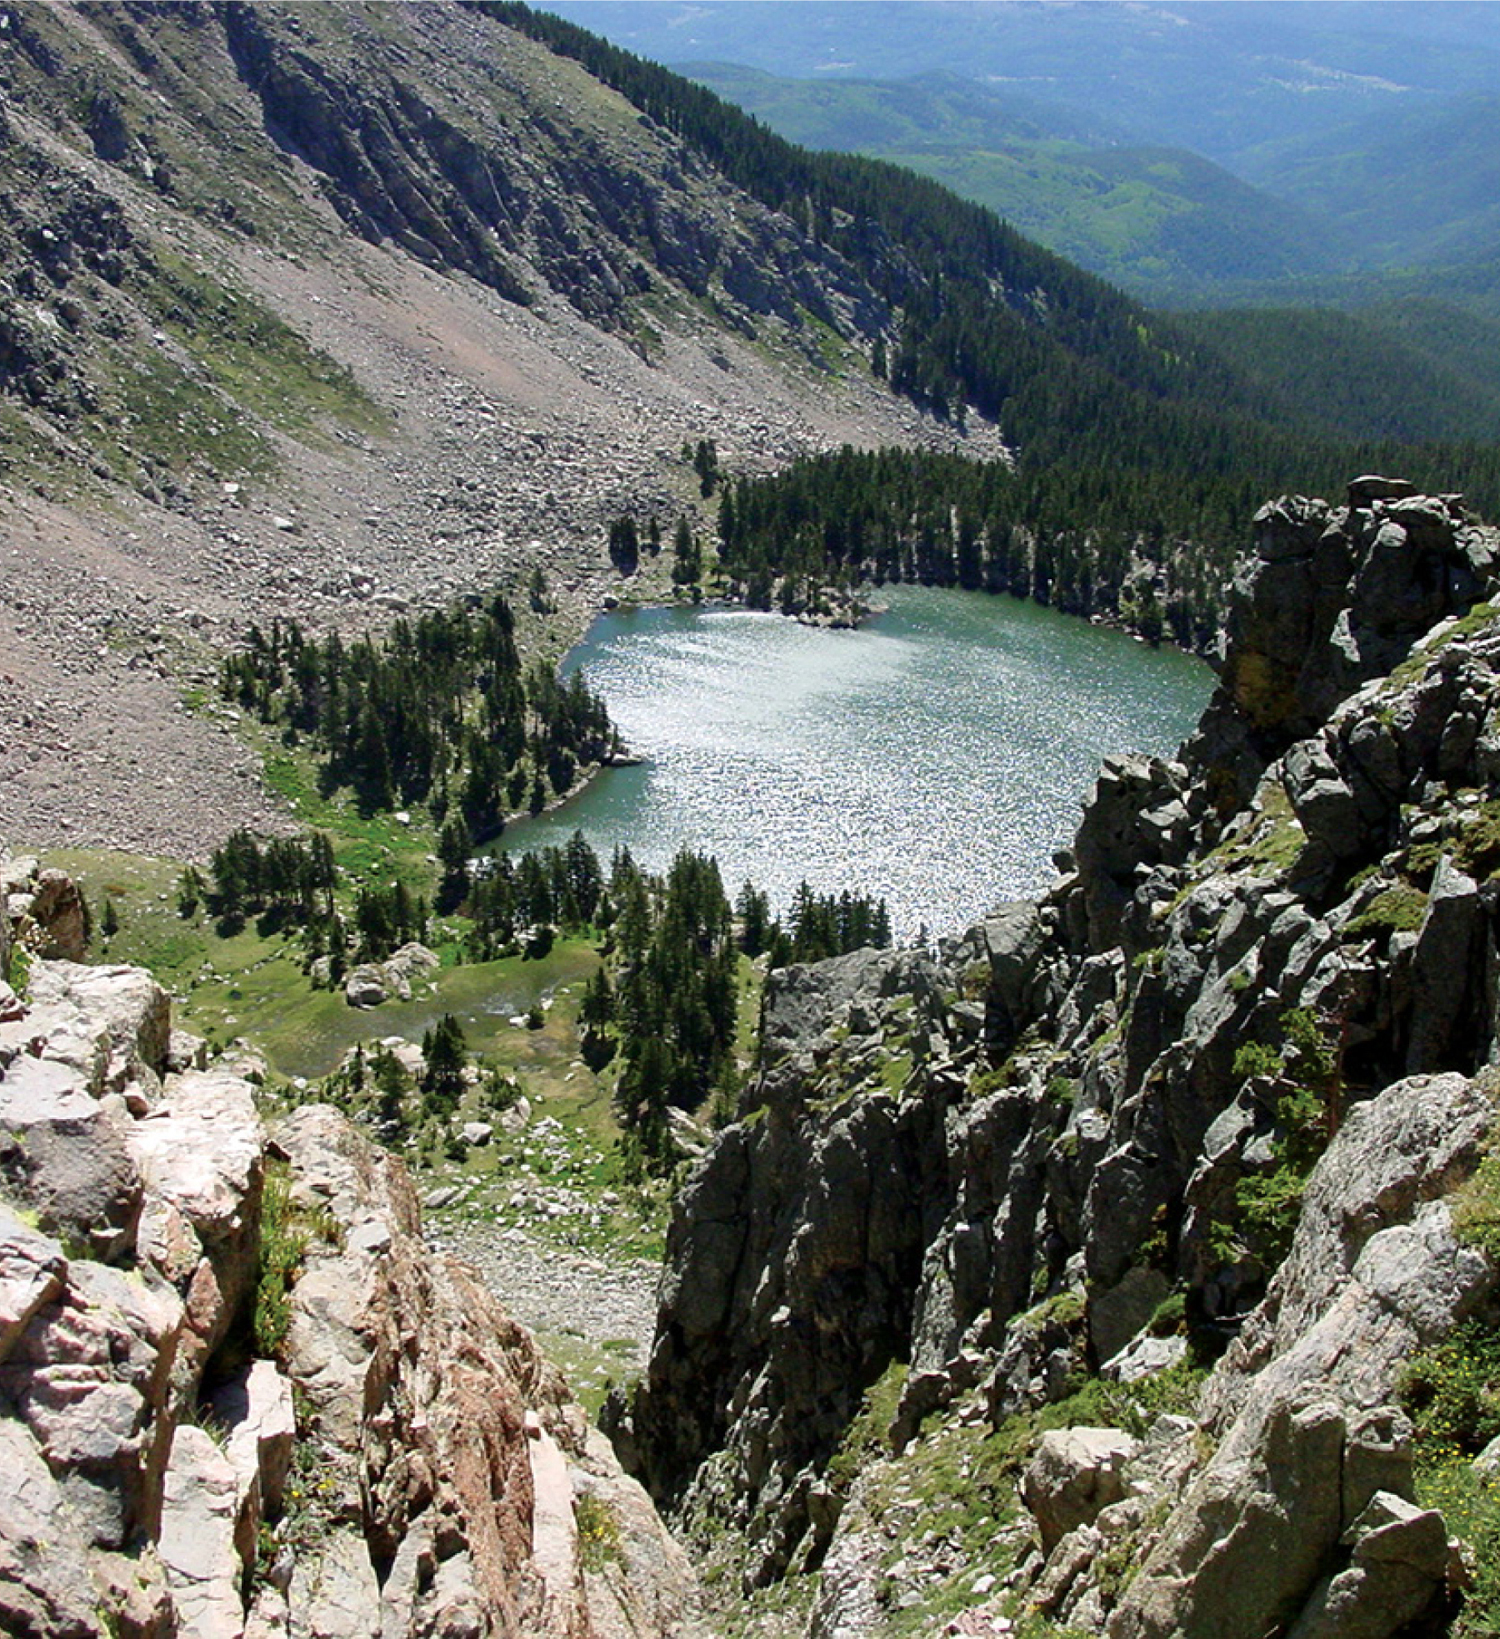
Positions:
{"x": 1206, "y": 1103}
{"x": 238, "y": 1395}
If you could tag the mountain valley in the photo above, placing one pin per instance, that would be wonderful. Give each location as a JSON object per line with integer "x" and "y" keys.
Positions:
{"x": 399, "y": 1237}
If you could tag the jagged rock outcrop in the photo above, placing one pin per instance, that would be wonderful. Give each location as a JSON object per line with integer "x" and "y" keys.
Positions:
{"x": 238, "y": 1395}
{"x": 1109, "y": 1102}
{"x": 1301, "y": 1516}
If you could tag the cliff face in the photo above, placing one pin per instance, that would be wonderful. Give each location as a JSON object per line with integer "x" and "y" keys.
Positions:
{"x": 1077, "y": 1140}
{"x": 237, "y": 1393}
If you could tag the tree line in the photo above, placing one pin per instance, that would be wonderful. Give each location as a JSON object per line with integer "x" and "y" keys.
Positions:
{"x": 1113, "y": 542}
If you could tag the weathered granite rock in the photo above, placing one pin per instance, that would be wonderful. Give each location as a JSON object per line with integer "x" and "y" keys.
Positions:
{"x": 255, "y": 1407}
{"x": 61, "y": 916}
{"x": 1398, "y": 1565}
{"x": 90, "y": 1378}
{"x": 368, "y": 985}
{"x": 124, "y": 1003}
{"x": 1072, "y": 1475}
{"x": 66, "y": 1155}
{"x": 200, "y": 1155}
{"x": 418, "y": 1390}
{"x": 45, "y": 1586}
{"x": 207, "y": 1536}
{"x": 121, "y": 1516}
{"x": 372, "y": 983}
{"x": 33, "y": 1271}
{"x": 1307, "y": 1441}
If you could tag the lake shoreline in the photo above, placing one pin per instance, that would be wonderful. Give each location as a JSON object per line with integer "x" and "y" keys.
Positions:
{"x": 805, "y": 752}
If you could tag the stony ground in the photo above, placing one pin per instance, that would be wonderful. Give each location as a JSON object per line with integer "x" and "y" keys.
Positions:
{"x": 518, "y": 433}
{"x": 550, "y": 1290}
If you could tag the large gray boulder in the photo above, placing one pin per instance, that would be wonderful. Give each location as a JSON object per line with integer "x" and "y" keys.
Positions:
{"x": 65, "y": 1154}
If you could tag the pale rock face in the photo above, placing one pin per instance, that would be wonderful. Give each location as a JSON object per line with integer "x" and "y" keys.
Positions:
{"x": 125, "y": 1002}
{"x": 33, "y": 1271}
{"x": 65, "y": 1154}
{"x": 207, "y": 1539}
{"x": 255, "y": 1407}
{"x": 44, "y": 1581}
{"x": 1312, "y": 1463}
{"x": 90, "y": 1379}
{"x": 429, "y": 1512}
{"x": 200, "y": 1155}
{"x": 1074, "y": 1473}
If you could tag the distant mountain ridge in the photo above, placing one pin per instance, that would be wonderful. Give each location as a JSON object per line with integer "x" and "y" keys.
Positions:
{"x": 1217, "y": 78}
{"x": 1158, "y": 221}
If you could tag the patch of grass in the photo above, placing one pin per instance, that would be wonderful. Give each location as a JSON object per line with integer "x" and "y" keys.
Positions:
{"x": 1475, "y": 1204}
{"x": 256, "y": 358}
{"x": 157, "y": 419}
{"x": 1099, "y": 1403}
{"x": 598, "y": 1531}
{"x": 895, "y": 1070}
{"x": 1478, "y": 619}
{"x": 867, "y": 1435}
{"x": 1478, "y": 847}
{"x": 370, "y": 848}
{"x": 951, "y": 1495}
{"x": 1452, "y": 1393}
{"x": 1398, "y": 909}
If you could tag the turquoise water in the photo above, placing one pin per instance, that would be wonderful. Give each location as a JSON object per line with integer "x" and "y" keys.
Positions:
{"x": 936, "y": 756}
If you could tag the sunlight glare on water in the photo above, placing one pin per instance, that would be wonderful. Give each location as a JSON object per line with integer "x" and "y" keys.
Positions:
{"x": 935, "y": 757}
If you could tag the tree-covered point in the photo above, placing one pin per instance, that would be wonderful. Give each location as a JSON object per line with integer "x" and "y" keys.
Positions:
{"x": 666, "y": 1000}
{"x": 439, "y": 711}
{"x": 295, "y": 882}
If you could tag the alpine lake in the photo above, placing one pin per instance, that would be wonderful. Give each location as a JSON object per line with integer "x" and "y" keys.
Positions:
{"x": 935, "y": 756}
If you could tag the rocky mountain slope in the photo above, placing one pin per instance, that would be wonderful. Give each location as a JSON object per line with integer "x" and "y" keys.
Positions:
{"x": 329, "y": 311}
{"x": 1213, "y": 1099}
{"x": 238, "y": 1395}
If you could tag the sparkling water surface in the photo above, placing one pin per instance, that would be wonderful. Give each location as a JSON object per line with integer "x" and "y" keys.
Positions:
{"x": 935, "y": 757}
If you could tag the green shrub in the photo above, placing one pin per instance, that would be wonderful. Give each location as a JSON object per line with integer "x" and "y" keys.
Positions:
{"x": 1306, "y": 1079}
{"x": 286, "y": 1231}
{"x": 598, "y": 1531}
{"x": 283, "y": 1245}
{"x": 1399, "y": 909}
{"x": 1452, "y": 1393}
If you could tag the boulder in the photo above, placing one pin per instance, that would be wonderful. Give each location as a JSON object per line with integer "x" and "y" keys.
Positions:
{"x": 365, "y": 986}
{"x": 66, "y": 1155}
{"x": 124, "y": 1003}
{"x": 256, "y": 1408}
{"x": 1074, "y": 1473}
{"x": 413, "y": 961}
{"x": 1398, "y": 1567}
{"x": 1370, "y": 487}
